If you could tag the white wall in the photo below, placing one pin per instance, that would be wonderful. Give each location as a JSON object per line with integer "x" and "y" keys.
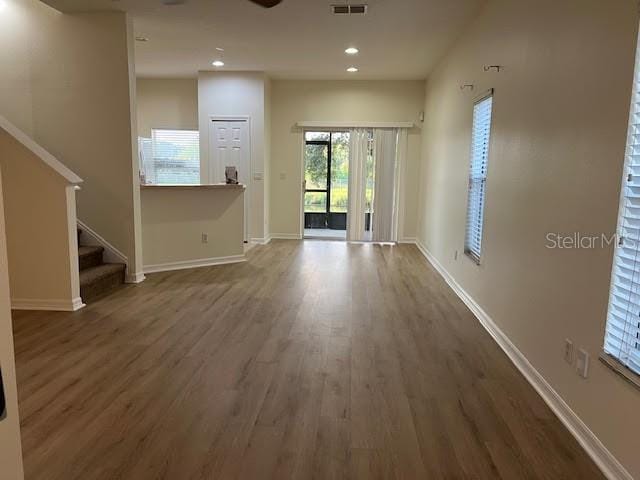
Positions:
{"x": 166, "y": 103}
{"x": 10, "y": 447}
{"x": 556, "y": 156}
{"x": 16, "y": 24}
{"x": 134, "y": 268}
{"x": 242, "y": 94}
{"x": 40, "y": 215}
{"x": 372, "y": 101}
{"x": 67, "y": 80}
{"x": 275, "y": 107}
{"x": 174, "y": 219}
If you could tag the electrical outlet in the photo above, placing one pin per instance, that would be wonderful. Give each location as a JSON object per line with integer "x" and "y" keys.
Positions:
{"x": 205, "y": 238}
{"x": 582, "y": 363}
{"x": 568, "y": 351}
{"x": 283, "y": 176}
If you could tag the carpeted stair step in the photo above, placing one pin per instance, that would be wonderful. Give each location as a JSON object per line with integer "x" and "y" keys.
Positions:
{"x": 90, "y": 256}
{"x": 98, "y": 280}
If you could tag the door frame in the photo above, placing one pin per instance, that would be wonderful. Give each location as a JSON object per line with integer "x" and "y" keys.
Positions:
{"x": 302, "y": 189}
{"x": 211, "y": 164}
{"x": 302, "y": 182}
{"x": 327, "y": 189}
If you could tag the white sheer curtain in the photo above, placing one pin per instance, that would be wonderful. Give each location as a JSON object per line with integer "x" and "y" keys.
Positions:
{"x": 402, "y": 145}
{"x": 390, "y": 147}
{"x": 358, "y": 148}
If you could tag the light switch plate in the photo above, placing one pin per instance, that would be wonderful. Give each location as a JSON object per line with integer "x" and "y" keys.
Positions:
{"x": 568, "y": 351}
{"x": 582, "y": 363}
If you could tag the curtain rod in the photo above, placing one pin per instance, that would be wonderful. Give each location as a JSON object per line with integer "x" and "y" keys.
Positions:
{"x": 315, "y": 124}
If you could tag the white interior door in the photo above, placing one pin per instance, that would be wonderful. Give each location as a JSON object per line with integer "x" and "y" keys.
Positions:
{"x": 229, "y": 141}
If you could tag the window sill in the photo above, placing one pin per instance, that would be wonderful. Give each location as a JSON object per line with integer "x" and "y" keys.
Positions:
{"x": 474, "y": 258}
{"x": 620, "y": 369}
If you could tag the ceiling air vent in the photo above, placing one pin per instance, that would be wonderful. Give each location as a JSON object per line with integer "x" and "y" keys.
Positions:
{"x": 357, "y": 9}
{"x": 346, "y": 9}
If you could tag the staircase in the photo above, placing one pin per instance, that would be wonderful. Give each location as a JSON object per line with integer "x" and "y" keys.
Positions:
{"x": 97, "y": 278}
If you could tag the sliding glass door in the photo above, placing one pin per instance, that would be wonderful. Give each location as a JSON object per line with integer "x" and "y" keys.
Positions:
{"x": 353, "y": 176}
{"x": 326, "y": 162}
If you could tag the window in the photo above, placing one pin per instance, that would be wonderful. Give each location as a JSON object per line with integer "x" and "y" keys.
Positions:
{"x": 622, "y": 335}
{"x": 326, "y": 173}
{"x": 480, "y": 134}
{"x": 317, "y": 159}
{"x": 339, "y": 172}
{"x": 171, "y": 157}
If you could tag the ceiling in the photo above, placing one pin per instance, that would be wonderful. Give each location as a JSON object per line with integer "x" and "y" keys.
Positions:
{"x": 398, "y": 39}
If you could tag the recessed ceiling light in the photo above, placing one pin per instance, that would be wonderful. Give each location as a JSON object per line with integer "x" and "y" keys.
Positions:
{"x": 217, "y": 63}
{"x": 351, "y": 51}
{"x": 142, "y": 39}
{"x": 352, "y": 69}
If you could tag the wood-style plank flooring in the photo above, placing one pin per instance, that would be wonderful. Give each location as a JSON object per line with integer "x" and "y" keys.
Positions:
{"x": 313, "y": 360}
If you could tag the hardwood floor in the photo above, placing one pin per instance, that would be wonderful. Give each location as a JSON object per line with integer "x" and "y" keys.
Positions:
{"x": 311, "y": 360}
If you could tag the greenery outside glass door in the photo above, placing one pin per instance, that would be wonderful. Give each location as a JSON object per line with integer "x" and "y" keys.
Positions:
{"x": 326, "y": 170}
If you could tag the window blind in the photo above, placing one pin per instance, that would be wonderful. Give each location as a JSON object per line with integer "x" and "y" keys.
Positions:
{"x": 480, "y": 134}
{"x": 622, "y": 335}
{"x": 174, "y": 157}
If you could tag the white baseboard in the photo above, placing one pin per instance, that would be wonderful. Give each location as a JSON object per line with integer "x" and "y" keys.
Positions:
{"x": 610, "y": 466}
{"x": 50, "y": 305}
{"x": 286, "y": 236}
{"x": 412, "y": 240}
{"x": 111, "y": 253}
{"x": 204, "y": 262}
{"x": 261, "y": 240}
{"x": 134, "y": 278}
